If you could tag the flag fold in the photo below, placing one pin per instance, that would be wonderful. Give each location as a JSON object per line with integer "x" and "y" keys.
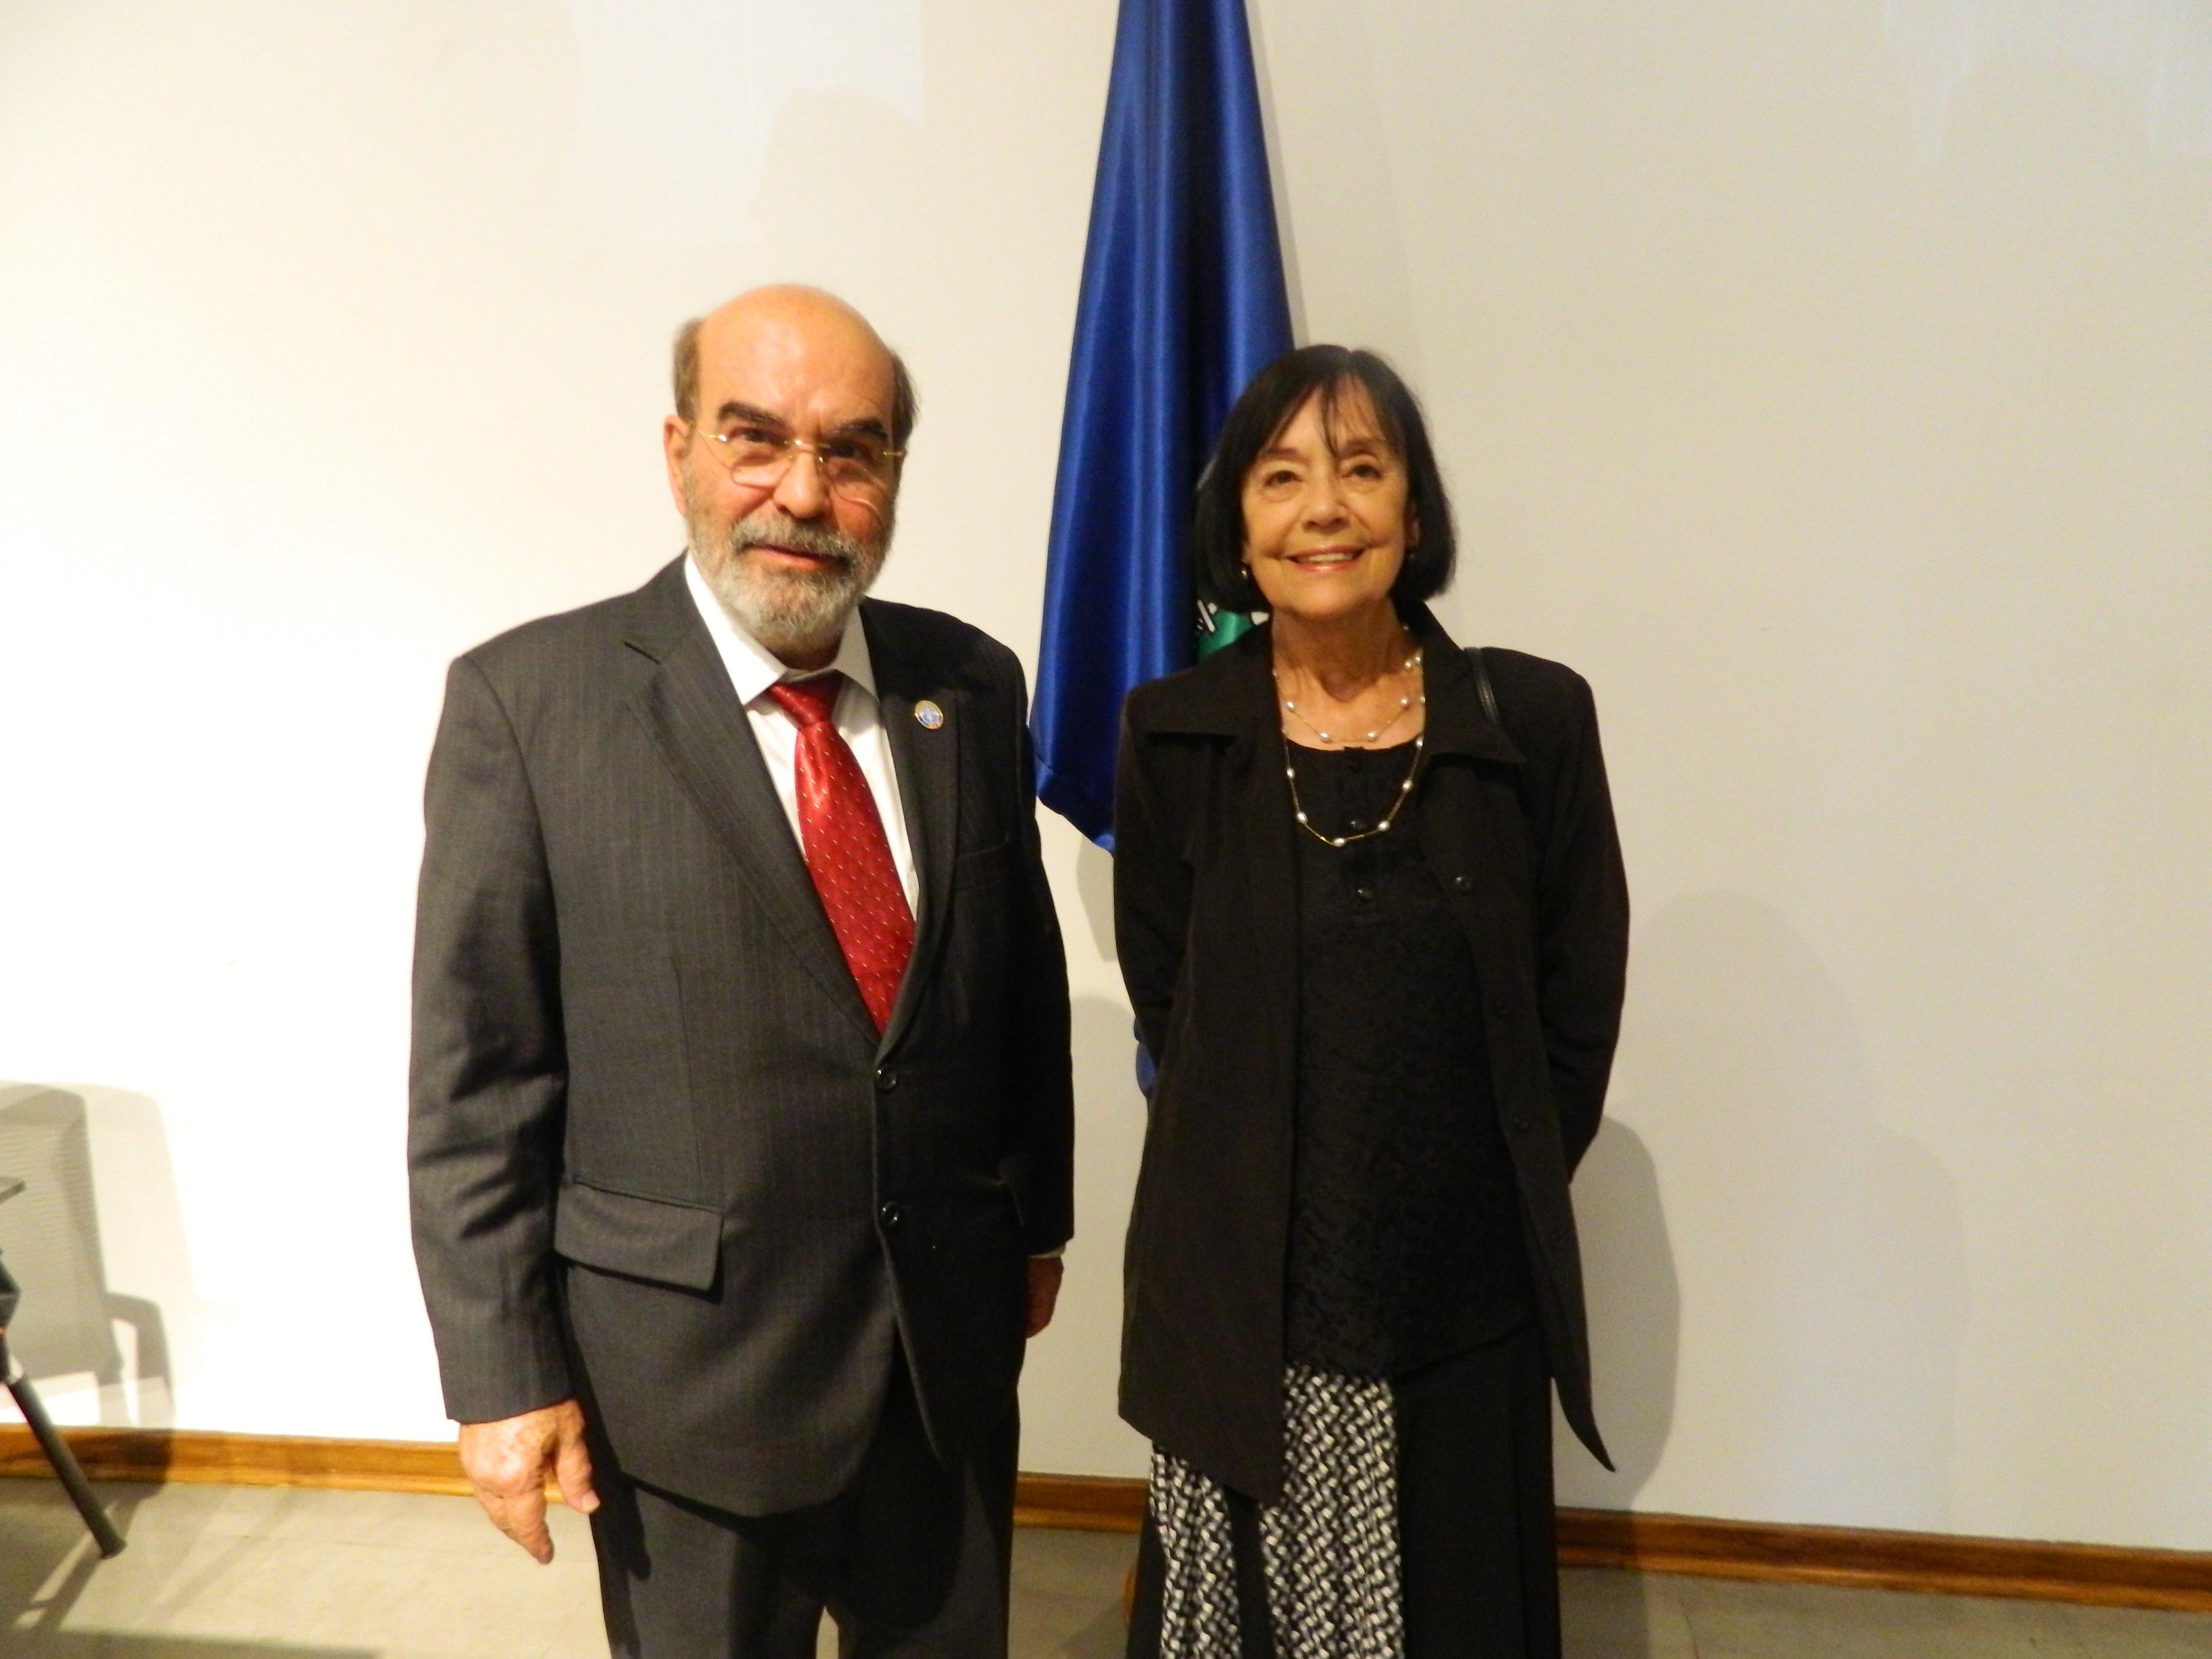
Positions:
{"x": 1183, "y": 302}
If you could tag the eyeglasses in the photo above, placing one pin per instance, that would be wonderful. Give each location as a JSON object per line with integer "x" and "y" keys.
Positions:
{"x": 856, "y": 466}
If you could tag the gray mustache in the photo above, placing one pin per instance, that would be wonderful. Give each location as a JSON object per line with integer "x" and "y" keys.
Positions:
{"x": 817, "y": 540}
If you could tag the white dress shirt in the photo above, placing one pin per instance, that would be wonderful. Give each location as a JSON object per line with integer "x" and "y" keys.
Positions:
{"x": 753, "y": 668}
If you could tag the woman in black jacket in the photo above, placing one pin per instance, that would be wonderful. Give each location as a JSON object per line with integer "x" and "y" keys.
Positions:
{"x": 1370, "y": 906}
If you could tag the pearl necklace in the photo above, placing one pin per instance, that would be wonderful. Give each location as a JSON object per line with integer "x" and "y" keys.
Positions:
{"x": 1405, "y": 786}
{"x": 1411, "y": 663}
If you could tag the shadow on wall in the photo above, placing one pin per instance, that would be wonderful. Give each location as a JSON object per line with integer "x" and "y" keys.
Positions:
{"x": 1103, "y": 1042}
{"x": 1070, "y": 1421}
{"x": 52, "y": 1236}
{"x": 1635, "y": 1313}
{"x": 1821, "y": 1249}
{"x": 1094, "y": 888}
{"x": 1636, "y": 1327}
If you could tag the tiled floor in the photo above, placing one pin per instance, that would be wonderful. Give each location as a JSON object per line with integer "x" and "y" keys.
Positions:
{"x": 223, "y": 1572}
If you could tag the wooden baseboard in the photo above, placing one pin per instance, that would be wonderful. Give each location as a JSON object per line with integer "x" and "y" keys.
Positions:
{"x": 1847, "y": 1557}
{"x": 1858, "y": 1558}
{"x": 198, "y": 1457}
{"x": 1079, "y": 1503}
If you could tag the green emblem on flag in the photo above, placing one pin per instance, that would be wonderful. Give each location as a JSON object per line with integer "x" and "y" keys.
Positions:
{"x": 1218, "y": 628}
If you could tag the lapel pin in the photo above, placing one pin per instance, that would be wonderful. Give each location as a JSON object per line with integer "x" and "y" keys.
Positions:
{"x": 929, "y": 714}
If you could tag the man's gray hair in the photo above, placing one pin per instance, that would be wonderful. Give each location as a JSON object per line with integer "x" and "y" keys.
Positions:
{"x": 906, "y": 406}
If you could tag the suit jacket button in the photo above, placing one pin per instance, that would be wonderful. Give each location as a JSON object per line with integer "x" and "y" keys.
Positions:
{"x": 1365, "y": 894}
{"x": 1502, "y": 1007}
{"x": 886, "y": 1079}
{"x": 1462, "y": 884}
{"x": 1520, "y": 1123}
{"x": 891, "y": 1217}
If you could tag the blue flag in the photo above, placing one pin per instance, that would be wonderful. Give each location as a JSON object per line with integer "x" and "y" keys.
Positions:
{"x": 1182, "y": 303}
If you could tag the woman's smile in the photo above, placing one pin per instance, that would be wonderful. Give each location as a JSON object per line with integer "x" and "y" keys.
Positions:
{"x": 1324, "y": 559}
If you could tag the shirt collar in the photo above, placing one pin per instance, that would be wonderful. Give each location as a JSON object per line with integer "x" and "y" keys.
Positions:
{"x": 752, "y": 666}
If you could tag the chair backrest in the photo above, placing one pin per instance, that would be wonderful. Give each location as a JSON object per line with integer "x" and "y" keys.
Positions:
{"x": 50, "y": 1234}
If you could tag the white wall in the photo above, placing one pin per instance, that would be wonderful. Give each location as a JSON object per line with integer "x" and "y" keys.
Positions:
{"x": 1831, "y": 384}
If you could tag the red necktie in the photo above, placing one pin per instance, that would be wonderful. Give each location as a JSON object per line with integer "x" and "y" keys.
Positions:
{"x": 846, "y": 852}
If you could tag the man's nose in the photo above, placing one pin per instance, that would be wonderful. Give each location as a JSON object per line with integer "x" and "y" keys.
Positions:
{"x": 802, "y": 492}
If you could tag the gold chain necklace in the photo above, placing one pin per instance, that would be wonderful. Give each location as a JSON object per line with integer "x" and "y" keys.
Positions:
{"x": 1397, "y": 801}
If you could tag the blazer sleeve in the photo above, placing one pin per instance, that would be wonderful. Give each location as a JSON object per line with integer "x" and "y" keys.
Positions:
{"x": 1582, "y": 926}
{"x": 1040, "y": 1164}
{"x": 487, "y": 1076}
{"x": 1151, "y": 886}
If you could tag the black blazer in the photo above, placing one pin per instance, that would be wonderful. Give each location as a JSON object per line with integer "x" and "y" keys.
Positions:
{"x": 658, "y": 1157}
{"x": 1518, "y": 826}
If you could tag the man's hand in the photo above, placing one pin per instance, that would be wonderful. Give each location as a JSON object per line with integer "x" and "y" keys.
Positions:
{"x": 508, "y": 1461}
{"x": 1044, "y": 1291}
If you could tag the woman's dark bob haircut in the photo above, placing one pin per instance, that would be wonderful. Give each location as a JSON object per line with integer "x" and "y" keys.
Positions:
{"x": 1276, "y": 394}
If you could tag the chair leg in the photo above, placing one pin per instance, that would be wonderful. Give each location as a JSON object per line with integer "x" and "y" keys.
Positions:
{"x": 59, "y": 1454}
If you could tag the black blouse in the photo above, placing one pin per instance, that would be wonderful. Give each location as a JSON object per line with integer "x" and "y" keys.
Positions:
{"x": 1404, "y": 1242}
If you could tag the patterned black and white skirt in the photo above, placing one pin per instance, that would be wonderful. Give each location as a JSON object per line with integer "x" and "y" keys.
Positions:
{"x": 1329, "y": 1549}
{"x": 1416, "y": 1522}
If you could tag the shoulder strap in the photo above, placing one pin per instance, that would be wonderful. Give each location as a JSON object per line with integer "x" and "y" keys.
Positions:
{"x": 1488, "y": 694}
{"x": 1483, "y": 687}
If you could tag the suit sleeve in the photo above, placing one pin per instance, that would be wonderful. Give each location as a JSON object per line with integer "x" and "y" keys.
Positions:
{"x": 1583, "y": 919}
{"x": 1152, "y": 892}
{"x": 1040, "y": 1164}
{"x": 486, "y": 1075}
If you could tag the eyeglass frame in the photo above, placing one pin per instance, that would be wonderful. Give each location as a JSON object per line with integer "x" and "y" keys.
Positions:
{"x": 792, "y": 444}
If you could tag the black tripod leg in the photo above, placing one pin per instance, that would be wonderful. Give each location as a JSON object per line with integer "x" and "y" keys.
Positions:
{"x": 64, "y": 1461}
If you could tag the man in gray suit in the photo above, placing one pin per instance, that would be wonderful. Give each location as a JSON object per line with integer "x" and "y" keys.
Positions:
{"x": 741, "y": 1116}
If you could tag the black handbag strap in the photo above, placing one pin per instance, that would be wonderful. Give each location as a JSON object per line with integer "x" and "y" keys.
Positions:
{"x": 1483, "y": 687}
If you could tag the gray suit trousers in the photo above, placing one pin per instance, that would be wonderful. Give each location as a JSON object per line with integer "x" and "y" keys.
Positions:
{"x": 911, "y": 1560}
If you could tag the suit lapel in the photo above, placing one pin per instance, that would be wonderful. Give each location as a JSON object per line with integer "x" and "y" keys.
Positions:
{"x": 927, "y": 761}
{"x": 696, "y": 721}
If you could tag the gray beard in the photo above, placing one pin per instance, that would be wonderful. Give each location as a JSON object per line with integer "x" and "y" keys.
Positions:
{"x": 793, "y": 613}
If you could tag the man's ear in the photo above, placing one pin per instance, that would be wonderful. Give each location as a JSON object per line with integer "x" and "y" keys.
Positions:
{"x": 675, "y": 439}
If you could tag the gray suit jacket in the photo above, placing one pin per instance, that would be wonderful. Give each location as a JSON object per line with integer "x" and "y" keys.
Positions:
{"x": 658, "y": 1157}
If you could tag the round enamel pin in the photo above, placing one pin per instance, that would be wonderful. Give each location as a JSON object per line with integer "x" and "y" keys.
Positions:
{"x": 929, "y": 714}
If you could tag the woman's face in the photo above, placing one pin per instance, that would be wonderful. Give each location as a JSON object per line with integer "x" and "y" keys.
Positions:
{"x": 1325, "y": 525}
